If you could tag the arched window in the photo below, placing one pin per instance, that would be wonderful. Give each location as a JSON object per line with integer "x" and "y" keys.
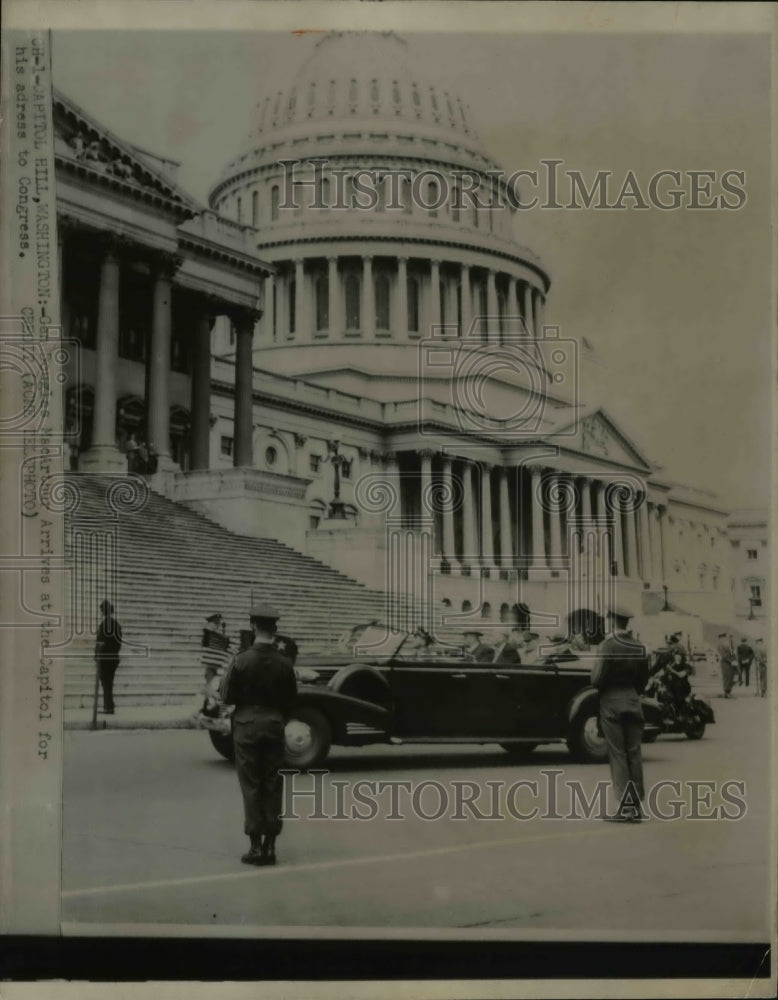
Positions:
{"x": 432, "y": 197}
{"x": 239, "y": 209}
{"x": 274, "y": 193}
{"x": 254, "y": 208}
{"x": 292, "y": 311}
{"x": 486, "y": 610}
{"x": 324, "y": 192}
{"x": 406, "y": 196}
{"x": 455, "y": 203}
{"x": 322, "y": 296}
{"x": 475, "y": 214}
{"x": 382, "y": 317}
{"x": 413, "y": 303}
{"x": 380, "y": 190}
{"x": 505, "y": 613}
{"x": 467, "y": 606}
{"x": 352, "y": 289}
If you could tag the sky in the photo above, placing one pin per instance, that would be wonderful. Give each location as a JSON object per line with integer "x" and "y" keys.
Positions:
{"x": 676, "y": 304}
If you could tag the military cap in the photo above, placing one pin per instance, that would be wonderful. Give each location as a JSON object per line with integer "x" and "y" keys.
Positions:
{"x": 215, "y": 617}
{"x": 620, "y": 611}
{"x": 264, "y": 610}
{"x": 723, "y": 635}
{"x": 530, "y": 636}
{"x": 472, "y": 631}
{"x": 557, "y": 638}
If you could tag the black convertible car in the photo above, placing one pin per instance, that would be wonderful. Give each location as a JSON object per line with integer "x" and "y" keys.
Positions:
{"x": 406, "y": 687}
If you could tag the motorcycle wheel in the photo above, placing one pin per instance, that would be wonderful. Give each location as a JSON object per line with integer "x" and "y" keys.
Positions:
{"x": 695, "y": 728}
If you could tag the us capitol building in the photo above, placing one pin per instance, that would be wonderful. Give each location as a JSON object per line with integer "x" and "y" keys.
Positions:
{"x": 381, "y": 387}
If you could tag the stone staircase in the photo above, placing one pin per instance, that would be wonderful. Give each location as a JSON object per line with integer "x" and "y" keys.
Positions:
{"x": 174, "y": 568}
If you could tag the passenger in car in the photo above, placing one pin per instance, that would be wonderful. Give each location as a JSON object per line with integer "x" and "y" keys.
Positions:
{"x": 507, "y": 651}
{"x": 478, "y": 650}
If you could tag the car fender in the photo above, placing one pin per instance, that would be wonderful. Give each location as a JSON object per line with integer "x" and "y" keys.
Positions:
{"x": 341, "y": 709}
{"x": 579, "y": 700}
{"x": 363, "y": 682}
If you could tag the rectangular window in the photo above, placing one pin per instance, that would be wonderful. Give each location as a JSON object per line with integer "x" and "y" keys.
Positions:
{"x": 752, "y": 553}
{"x": 313, "y": 522}
{"x": 756, "y": 595}
{"x": 315, "y": 463}
{"x": 226, "y": 446}
{"x": 346, "y": 470}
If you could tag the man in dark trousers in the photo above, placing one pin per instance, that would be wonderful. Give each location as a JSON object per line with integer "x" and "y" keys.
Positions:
{"x": 107, "y": 647}
{"x": 745, "y": 657}
{"x": 620, "y": 673}
{"x": 260, "y": 683}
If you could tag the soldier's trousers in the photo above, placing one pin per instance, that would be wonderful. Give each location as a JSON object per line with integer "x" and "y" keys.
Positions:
{"x": 259, "y": 756}
{"x": 623, "y": 732}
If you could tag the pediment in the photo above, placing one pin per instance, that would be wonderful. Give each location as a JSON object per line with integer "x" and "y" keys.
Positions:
{"x": 597, "y": 436}
{"x": 85, "y": 142}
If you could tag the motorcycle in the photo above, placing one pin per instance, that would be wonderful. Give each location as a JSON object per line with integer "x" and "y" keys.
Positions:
{"x": 681, "y": 713}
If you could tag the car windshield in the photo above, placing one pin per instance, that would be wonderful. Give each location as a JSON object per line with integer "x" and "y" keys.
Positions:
{"x": 373, "y": 639}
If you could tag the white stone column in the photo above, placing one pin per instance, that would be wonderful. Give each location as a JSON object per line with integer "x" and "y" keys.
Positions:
{"x": 645, "y": 544}
{"x": 392, "y": 474}
{"x": 585, "y": 507}
{"x": 538, "y": 313}
{"x": 159, "y": 367}
{"x": 200, "y": 392}
{"x": 451, "y": 307}
{"x": 555, "y": 518}
{"x": 433, "y": 317}
{"x": 425, "y": 485}
{"x": 661, "y": 513}
{"x": 267, "y": 319}
{"x": 492, "y": 307}
{"x": 368, "y": 298}
{"x": 513, "y": 300}
{"x": 243, "y": 412}
{"x": 401, "y": 298}
{"x": 448, "y": 512}
{"x": 103, "y": 455}
{"x": 539, "y": 560}
{"x": 506, "y": 541}
{"x": 302, "y": 328}
{"x": 282, "y": 306}
{"x": 487, "y": 532}
{"x": 631, "y": 542}
{"x": 467, "y": 300}
{"x": 469, "y": 543}
{"x": 529, "y": 317}
{"x": 335, "y": 303}
{"x": 618, "y": 536}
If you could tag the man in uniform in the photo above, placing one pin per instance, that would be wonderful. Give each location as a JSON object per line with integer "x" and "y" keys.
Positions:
{"x": 727, "y": 662}
{"x": 260, "y": 683}
{"x": 620, "y": 673}
{"x": 761, "y": 667}
{"x": 480, "y": 652}
{"x": 108, "y": 643}
{"x": 745, "y": 657}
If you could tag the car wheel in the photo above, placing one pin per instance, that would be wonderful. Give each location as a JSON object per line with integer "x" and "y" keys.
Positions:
{"x": 308, "y": 738}
{"x": 695, "y": 728}
{"x": 585, "y": 742}
{"x": 222, "y": 744}
{"x": 518, "y": 750}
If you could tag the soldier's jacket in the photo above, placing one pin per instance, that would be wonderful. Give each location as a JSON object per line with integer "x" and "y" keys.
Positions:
{"x": 260, "y": 683}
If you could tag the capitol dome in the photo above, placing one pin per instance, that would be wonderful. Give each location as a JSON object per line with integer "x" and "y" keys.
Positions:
{"x": 354, "y": 184}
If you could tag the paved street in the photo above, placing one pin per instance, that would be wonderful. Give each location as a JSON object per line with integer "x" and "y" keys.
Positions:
{"x": 153, "y": 833}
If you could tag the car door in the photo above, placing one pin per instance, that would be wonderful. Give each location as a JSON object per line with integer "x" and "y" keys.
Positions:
{"x": 541, "y": 694}
{"x": 435, "y": 699}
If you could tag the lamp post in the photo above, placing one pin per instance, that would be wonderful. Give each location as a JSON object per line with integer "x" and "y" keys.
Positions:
{"x": 667, "y": 606}
{"x": 337, "y": 507}
{"x": 751, "y": 609}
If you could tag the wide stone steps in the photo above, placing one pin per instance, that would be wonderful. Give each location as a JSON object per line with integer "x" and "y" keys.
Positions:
{"x": 175, "y": 567}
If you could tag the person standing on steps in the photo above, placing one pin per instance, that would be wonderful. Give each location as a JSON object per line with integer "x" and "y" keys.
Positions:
{"x": 107, "y": 647}
{"x": 260, "y": 683}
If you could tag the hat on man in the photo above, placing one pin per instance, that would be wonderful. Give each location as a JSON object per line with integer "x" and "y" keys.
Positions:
{"x": 215, "y": 617}
{"x": 530, "y": 636}
{"x": 472, "y": 631}
{"x": 266, "y": 611}
{"x": 723, "y": 635}
{"x": 557, "y": 639}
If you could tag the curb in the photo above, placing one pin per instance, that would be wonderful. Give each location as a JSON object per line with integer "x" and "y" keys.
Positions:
{"x": 105, "y": 725}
